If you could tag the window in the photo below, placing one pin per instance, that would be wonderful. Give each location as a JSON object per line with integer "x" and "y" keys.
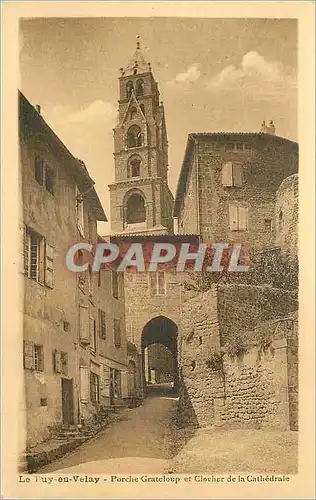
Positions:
{"x": 84, "y": 331}
{"x": 102, "y": 325}
{"x": 142, "y": 107}
{"x": 134, "y": 137}
{"x": 39, "y": 170}
{"x": 133, "y": 113}
{"x": 268, "y": 225}
{"x": 157, "y": 283}
{"x": 232, "y": 174}
{"x": 60, "y": 362}
{"x": 33, "y": 356}
{"x": 238, "y": 147}
{"x": 34, "y": 250}
{"x": 79, "y": 212}
{"x": 129, "y": 89}
{"x": 94, "y": 387}
{"x": 117, "y": 332}
{"x": 43, "y": 402}
{"x": 66, "y": 326}
{"x": 238, "y": 218}
{"x": 135, "y": 209}
{"x": 44, "y": 175}
{"x": 117, "y": 384}
{"x": 38, "y": 358}
{"x": 99, "y": 279}
{"x": 93, "y": 335}
{"x": 140, "y": 88}
{"x": 90, "y": 280}
{"x": 115, "y": 285}
{"x": 134, "y": 167}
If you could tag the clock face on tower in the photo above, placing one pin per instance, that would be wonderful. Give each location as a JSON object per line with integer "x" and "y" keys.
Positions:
{"x": 141, "y": 201}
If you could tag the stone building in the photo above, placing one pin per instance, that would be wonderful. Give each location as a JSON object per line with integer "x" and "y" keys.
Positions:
{"x": 75, "y": 355}
{"x": 141, "y": 200}
{"x": 228, "y": 186}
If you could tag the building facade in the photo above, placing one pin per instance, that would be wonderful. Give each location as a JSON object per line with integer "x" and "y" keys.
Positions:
{"x": 228, "y": 184}
{"x": 75, "y": 355}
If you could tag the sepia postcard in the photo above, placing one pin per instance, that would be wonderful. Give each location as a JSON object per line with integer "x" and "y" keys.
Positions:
{"x": 158, "y": 250}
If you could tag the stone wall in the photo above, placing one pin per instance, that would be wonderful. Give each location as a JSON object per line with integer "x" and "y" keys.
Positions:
{"x": 255, "y": 386}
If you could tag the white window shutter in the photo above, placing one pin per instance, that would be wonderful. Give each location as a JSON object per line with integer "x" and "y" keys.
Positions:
{"x": 105, "y": 381}
{"x": 233, "y": 218}
{"x": 79, "y": 211}
{"x": 57, "y": 361}
{"x": 49, "y": 266}
{"x": 84, "y": 384}
{"x": 84, "y": 320}
{"x": 25, "y": 249}
{"x": 29, "y": 355}
{"x": 227, "y": 174}
{"x": 237, "y": 174}
{"x": 242, "y": 218}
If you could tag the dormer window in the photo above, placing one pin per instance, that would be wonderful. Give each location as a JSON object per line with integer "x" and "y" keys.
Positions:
{"x": 232, "y": 174}
{"x": 134, "y": 137}
{"x": 129, "y": 89}
{"x": 133, "y": 113}
{"x": 140, "y": 88}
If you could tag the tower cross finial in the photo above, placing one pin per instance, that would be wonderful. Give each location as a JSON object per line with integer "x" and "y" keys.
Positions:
{"x": 137, "y": 42}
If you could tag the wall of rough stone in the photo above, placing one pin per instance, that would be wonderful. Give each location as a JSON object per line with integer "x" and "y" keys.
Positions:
{"x": 255, "y": 388}
{"x": 286, "y": 215}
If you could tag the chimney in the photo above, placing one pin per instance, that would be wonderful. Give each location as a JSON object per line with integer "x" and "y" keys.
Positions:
{"x": 38, "y": 108}
{"x": 268, "y": 129}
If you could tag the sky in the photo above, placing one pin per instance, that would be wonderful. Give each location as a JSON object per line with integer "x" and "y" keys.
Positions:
{"x": 213, "y": 75}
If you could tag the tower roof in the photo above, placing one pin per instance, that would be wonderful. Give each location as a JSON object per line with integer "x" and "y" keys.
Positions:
{"x": 137, "y": 64}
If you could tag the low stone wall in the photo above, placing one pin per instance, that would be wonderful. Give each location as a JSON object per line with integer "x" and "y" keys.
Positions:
{"x": 254, "y": 387}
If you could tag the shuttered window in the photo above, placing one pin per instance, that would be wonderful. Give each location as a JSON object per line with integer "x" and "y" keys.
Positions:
{"x": 105, "y": 381}
{"x": 49, "y": 266}
{"x": 238, "y": 218}
{"x": 157, "y": 283}
{"x": 29, "y": 355}
{"x": 115, "y": 285}
{"x": 102, "y": 324}
{"x": 79, "y": 211}
{"x": 117, "y": 332}
{"x": 93, "y": 335}
{"x": 94, "y": 388}
{"x": 232, "y": 174}
{"x": 84, "y": 324}
{"x": 84, "y": 384}
{"x": 57, "y": 361}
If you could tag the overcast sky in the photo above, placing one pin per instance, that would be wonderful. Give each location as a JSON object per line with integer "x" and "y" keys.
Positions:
{"x": 213, "y": 75}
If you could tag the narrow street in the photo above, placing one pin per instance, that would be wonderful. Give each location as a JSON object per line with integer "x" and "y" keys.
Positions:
{"x": 138, "y": 444}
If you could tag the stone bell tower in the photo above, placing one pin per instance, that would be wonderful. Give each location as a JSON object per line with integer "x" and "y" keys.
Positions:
{"x": 141, "y": 201}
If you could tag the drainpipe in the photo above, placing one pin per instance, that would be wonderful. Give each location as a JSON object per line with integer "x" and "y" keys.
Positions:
{"x": 197, "y": 163}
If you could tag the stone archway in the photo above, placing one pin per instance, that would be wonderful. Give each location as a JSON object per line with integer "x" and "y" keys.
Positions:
{"x": 161, "y": 330}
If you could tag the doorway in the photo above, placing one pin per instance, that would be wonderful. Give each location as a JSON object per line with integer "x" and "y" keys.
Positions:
{"x": 67, "y": 401}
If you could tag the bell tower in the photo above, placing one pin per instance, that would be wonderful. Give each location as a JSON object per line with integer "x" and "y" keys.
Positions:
{"x": 141, "y": 201}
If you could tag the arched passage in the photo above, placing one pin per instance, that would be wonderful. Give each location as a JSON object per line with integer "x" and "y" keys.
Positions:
{"x": 164, "y": 332}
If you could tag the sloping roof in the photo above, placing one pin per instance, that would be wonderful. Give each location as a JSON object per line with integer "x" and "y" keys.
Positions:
{"x": 35, "y": 124}
{"x": 194, "y": 137}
